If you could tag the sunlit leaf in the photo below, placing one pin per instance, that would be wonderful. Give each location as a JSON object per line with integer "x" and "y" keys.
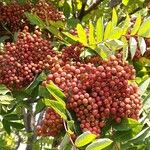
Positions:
{"x": 99, "y": 144}
{"x": 56, "y": 92}
{"x": 91, "y": 35}
{"x": 6, "y": 99}
{"x": 114, "y": 44}
{"x": 114, "y": 17}
{"x": 126, "y": 25}
{"x": 81, "y": 34}
{"x": 125, "y": 2}
{"x": 136, "y": 25}
{"x": 144, "y": 29}
{"x": 99, "y": 30}
{"x": 107, "y": 30}
{"x": 74, "y": 38}
{"x": 84, "y": 139}
{"x": 57, "y": 106}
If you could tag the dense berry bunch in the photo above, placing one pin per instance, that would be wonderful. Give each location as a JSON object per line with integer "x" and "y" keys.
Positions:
{"x": 98, "y": 93}
{"x": 22, "y": 60}
{"x": 47, "y": 11}
{"x": 51, "y": 125}
{"x": 72, "y": 52}
{"x": 12, "y": 15}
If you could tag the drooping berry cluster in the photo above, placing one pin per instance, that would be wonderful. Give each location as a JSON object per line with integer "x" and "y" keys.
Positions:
{"x": 98, "y": 93}
{"x": 22, "y": 60}
{"x": 47, "y": 11}
{"x": 51, "y": 125}
{"x": 12, "y": 15}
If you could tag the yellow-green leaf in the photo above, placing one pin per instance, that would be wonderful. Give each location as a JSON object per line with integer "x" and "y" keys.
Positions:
{"x": 57, "y": 106}
{"x": 108, "y": 30}
{"x": 81, "y": 34}
{"x": 136, "y": 25}
{"x": 99, "y": 144}
{"x": 91, "y": 36}
{"x": 74, "y": 38}
{"x": 145, "y": 29}
{"x": 84, "y": 139}
{"x": 114, "y": 18}
{"x": 126, "y": 25}
{"x": 99, "y": 30}
{"x": 125, "y": 48}
{"x": 57, "y": 93}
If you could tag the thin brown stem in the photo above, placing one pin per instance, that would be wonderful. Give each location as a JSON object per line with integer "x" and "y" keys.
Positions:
{"x": 91, "y": 7}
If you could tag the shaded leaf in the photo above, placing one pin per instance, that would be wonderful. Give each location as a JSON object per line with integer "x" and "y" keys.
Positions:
{"x": 35, "y": 20}
{"x": 17, "y": 125}
{"x": 144, "y": 85}
{"x": 141, "y": 136}
{"x": 142, "y": 45}
{"x": 39, "y": 106}
{"x": 12, "y": 117}
{"x": 66, "y": 9}
{"x": 133, "y": 46}
{"x": 126, "y": 124}
{"x": 6, "y": 126}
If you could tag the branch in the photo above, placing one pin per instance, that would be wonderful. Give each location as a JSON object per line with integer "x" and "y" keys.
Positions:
{"x": 92, "y": 7}
{"x": 82, "y": 10}
{"x": 134, "y": 11}
{"x": 19, "y": 140}
{"x": 29, "y": 122}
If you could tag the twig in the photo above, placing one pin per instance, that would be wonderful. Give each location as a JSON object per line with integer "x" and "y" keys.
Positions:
{"x": 29, "y": 123}
{"x": 91, "y": 7}
{"x": 19, "y": 140}
{"x": 134, "y": 11}
{"x": 82, "y": 9}
{"x": 69, "y": 135}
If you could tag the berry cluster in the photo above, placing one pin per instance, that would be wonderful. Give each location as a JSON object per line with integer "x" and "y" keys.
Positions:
{"x": 72, "y": 53}
{"x": 51, "y": 125}
{"x": 98, "y": 93}
{"x": 47, "y": 11}
{"x": 22, "y": 60}
{"x": 12, "y": 15}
